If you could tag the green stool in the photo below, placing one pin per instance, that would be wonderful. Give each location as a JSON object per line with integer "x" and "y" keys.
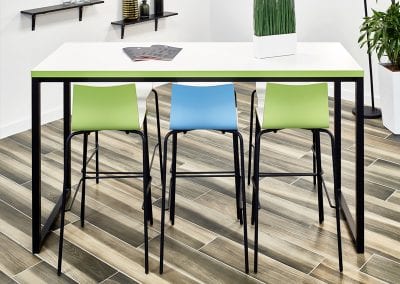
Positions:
{"x": 96, "y": 108}
{"x": 293, "y": 106}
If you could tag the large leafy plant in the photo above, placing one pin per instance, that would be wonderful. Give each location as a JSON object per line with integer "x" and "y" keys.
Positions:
{"x": 274, "y": 17}
{"x": 381, "y": 32}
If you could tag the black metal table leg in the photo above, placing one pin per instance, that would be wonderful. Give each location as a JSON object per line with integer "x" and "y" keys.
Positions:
{"x": 36, "y": 166}
{"x": 360, "y": 165}
{"x": 356, "y": 224}
{"x": 38, "y": 233}
{"x": 67, "y": 126}
{"x": 338, "y": 130}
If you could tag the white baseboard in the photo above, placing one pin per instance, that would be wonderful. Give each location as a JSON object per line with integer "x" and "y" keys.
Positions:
{"x": 25, "y": 124}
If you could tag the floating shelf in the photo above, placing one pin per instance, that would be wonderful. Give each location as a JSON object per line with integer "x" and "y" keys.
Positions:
{"x": 61, "y": 7}
{"x": 153, "y": 17}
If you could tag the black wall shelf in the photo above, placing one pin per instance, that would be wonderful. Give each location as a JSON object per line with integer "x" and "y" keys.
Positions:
{"x": 55, "y": 8}
{"x": 153, "y": 17}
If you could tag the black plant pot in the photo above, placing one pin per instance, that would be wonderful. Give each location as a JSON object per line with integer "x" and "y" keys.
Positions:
{"x": 158, "y": 7}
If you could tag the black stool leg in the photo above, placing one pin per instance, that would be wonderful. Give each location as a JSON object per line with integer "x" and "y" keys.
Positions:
{"x": 173, "y": 178}
{"x": 243, "y": 186}
{"x": 84, "y": 162}
{"x": 251, "y": 137}
{"x": 253, "y": 207}
{"x": 256, "y": 179}
{"x": 253, "y": 202}
{"x": 237, "y": 176}
{"x": 149, "y": 205}
{"x": 164, "y": 181}
{"x": 96, "y": 137}
{"x": 314, "y": 158}
{"x": 158, "y": 128}
{"x": 60, "y": 244}
{"x": 319, "y": 176}
{"x": 337, "y": 193}
{"x": 64, "y": 199}
{"x": 146, "y": 179}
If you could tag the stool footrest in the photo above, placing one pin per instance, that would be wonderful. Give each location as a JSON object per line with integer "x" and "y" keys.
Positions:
{"x": 287, "y": 174}
{"x": 115, "y": 176}
{"x": 205, "y": 174}
{"x": 117, "y": 173}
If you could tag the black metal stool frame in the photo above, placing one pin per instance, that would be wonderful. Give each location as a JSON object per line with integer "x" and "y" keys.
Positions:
{"x": 145, "y": 174}
{"x": 316, "y": 174}
{"x": 239, "y": 175}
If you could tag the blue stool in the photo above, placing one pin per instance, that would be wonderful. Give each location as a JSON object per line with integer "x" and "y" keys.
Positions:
{"x": 199, "y": 107}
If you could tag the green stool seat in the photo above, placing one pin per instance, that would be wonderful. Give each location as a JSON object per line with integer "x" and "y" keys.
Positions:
{"x": 105, "y": 108}
{"x": 295, "y": 106}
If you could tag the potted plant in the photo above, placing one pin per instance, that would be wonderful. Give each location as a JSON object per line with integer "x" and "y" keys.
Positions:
{"x": 274, "y": 28}
{"x": 381, "y": 32}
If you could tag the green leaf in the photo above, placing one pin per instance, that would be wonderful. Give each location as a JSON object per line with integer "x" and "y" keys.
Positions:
{"x": 381, "y": 31}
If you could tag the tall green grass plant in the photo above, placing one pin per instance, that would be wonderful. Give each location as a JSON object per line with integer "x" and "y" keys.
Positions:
{"x": 274, "y": 17}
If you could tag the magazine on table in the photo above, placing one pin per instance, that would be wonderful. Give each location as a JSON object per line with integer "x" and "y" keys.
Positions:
{"x": 154, "y": 52}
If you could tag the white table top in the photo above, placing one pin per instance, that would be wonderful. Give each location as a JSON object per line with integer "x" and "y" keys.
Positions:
{"x": 198, "y": 59}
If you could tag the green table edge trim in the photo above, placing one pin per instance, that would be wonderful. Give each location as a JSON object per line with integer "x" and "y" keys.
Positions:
{"x": 197, "y": 74}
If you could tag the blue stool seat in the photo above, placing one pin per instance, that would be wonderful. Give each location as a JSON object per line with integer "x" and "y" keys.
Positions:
{"x": 203, "y": 107}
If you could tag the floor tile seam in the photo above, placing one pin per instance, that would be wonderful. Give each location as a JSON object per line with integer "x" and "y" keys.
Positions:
{"x": 136, "y": 248}
{"x": 316, "y": 266}
{"x": 369, "y": 258}
{"x": 112, "y": 275}
{"x": 26, "y": 269}
{"x": 217, "y": 260}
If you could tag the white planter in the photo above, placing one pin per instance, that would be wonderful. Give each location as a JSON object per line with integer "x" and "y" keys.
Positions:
{"x": 389, "y": 86}
{"x": 274, "y": 45}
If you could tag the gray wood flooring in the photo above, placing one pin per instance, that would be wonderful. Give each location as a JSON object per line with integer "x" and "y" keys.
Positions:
{"x": 205, "y": 244}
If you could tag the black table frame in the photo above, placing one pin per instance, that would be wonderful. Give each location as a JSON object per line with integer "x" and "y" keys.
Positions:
{"x": 356, "y": 225}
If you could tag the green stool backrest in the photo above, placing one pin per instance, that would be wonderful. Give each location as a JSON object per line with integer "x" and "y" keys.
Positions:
{"x": 296, "y": 106}
{"x": 105, "y": 108}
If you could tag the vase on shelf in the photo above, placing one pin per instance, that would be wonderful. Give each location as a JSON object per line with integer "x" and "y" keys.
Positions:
{"x": 159, "y": 7}
{"x": 144, "y": 10}
{"x": 130, "y": 9}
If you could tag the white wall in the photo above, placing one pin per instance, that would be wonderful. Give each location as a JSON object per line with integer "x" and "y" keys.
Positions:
{"x": 21, "y": 49}
{"x": 231, "y": 20}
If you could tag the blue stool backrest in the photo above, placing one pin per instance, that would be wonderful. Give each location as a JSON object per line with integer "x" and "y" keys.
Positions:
{"x": 203, "y": 107}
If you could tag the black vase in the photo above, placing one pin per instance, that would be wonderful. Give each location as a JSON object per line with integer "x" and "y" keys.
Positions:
{"x": 159, "y": 7}
{"x": 144, "y": 10}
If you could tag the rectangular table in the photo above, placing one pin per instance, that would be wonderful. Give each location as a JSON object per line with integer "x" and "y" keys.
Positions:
{"x": 198, "y": 61}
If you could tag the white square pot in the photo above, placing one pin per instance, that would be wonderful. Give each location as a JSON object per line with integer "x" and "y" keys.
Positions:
{"x": 389, "y": 86}
{"x": 274, "y": 45}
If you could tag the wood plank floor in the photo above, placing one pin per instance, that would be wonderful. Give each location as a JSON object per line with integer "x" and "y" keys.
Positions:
{"x": 205, "y": 244}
